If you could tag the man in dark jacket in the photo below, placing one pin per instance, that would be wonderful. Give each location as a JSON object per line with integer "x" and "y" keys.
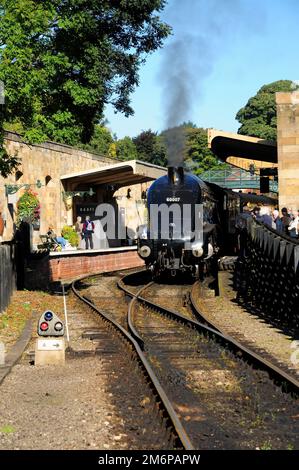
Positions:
{"x": 241, "y": 227}
{"x": 286, "y": 220}
{"x": 88, "y": 230}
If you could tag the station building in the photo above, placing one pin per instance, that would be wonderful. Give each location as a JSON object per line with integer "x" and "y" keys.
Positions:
{"x": 70, "y": 182}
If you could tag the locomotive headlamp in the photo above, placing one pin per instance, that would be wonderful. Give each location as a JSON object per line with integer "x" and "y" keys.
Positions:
{"x": 142, "y": 232}
{"x": 144, "y": 251}
{"x": 197, "y": 250}
{"x": 143, "y": 235}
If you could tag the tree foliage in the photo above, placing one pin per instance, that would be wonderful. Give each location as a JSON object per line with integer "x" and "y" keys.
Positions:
{"x": 126, "y": 149}
{"x": 100, "y": 142}
{"x": 199, "y": 157}
{"x": 258, "y": 116}
{"x": 62, "y": 60}
{"x": 150, "y": 148}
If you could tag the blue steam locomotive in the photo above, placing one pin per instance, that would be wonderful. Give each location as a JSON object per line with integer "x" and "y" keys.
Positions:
{"x": 183, "y": 232}
{"x": 192, "y": 241}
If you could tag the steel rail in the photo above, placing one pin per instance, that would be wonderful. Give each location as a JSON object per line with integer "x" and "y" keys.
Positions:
{"x": 273, "y": 370}
{"x": 281, "y": 377}
{"x": 179, "y": 433}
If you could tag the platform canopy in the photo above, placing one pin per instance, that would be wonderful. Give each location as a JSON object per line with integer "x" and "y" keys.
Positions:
{"x": 120, "y": 174}
{"x": 241, "y": 151}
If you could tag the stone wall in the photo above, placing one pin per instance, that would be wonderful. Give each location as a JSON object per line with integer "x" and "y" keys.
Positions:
{"x": 47, "y": 163}
{"x": 288, "y": 149}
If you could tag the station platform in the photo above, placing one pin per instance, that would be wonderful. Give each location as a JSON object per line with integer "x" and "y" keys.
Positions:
{"x": 72, "y": 264}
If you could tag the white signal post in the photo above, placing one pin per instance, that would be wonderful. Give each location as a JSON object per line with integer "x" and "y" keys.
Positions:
{"x": 65, "y": 315}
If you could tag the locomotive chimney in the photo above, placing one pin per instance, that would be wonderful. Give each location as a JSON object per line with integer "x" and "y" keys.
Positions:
{"x": 176, "y": 174}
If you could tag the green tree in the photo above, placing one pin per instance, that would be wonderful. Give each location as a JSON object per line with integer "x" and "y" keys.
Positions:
{"x": 126, "y": 149}
{"x": 258, "y": 116}
{"x": 150, "y": 148}
{"x": 62, "y": 61}
{"x": 193, "y": 144}
{"x": 199, "y": 157}
{"x": 100, "y": 142}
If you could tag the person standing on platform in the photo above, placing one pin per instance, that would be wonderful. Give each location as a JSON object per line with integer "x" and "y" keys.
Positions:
{"x": 277, "y": 223}
{"x": 88, "y": 230}
{"x": 256, "y": 213}
{"x": 286, "y": 220}
{"x": 266, "y": 218}
{"x": 241, "y": 226}
{"x": 79, "y": 228}
{"x": 294, "y": 224}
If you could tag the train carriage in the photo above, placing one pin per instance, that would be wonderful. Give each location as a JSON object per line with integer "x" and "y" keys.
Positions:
{"x": 191, "y": 223}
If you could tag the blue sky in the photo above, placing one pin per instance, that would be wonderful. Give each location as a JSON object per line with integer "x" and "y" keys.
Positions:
{"x": 230, "y": 49}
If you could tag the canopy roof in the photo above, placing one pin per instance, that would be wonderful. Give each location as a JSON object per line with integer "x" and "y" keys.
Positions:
{"x": 121, "y": 174}
{"x": 228, "y": 144}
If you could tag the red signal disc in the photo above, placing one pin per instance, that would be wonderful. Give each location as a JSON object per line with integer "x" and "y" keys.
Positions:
{"x": 44, "y": 326}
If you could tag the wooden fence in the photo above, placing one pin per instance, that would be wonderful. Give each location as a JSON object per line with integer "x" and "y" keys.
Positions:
{"x": 7, "y": 273}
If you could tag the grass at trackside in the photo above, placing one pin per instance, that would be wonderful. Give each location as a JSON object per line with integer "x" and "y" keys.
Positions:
{"x": 21, "y": 308}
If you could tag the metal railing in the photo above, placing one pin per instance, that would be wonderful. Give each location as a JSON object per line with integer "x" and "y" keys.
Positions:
{"x": 236, "y": 178}
{"x": 267, "y": 277}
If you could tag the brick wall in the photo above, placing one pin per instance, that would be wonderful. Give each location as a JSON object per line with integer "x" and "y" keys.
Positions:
{"x": 66, "y": 267}
{"x": 70, "y": 267}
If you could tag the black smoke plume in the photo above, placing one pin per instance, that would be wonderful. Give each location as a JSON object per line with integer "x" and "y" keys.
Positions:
{"x": 199, "y": 27}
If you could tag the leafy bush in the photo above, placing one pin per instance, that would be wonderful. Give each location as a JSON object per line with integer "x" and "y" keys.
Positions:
{"x": 71, "y": 235}
{"x": 28, "y": 207}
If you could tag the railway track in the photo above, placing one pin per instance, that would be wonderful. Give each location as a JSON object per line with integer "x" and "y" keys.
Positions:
{"x": 184, "y": 351}
{"x": 116, "y": 343}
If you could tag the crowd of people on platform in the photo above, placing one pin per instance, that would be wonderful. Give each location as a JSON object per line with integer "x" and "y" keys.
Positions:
{"x": 286, "y": 223}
